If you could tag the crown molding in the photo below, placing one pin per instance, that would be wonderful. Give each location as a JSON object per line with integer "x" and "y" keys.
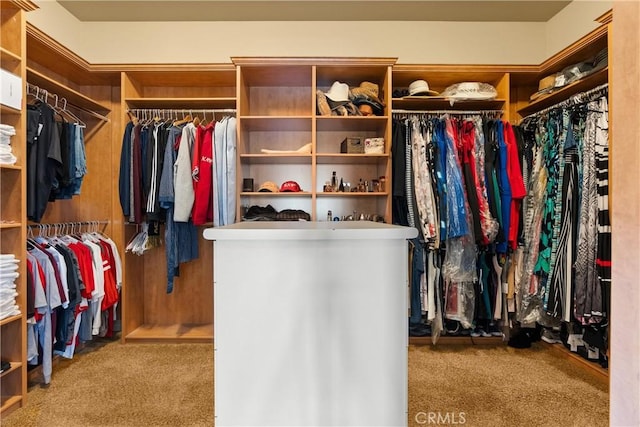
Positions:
{"x": 55, "y": 47}
{"x": 26, "y": 5}
{"x": 605, "y": 18}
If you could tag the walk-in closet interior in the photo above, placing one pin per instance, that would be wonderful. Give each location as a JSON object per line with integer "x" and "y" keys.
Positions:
{"x": 504, "y": 159}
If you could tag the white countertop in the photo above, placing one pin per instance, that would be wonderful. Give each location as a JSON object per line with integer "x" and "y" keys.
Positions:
{"x": 304, "y": 230}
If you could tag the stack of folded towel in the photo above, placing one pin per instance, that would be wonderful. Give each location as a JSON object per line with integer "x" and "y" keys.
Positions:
{"x": 8, "y": 293}
{"x": 6, "y": 132}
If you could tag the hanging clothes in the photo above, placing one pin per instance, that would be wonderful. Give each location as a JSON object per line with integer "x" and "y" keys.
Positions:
{"x": 56, "y": 160}
{"x": 72, "y": 279}
{"x": 180, "y": 175}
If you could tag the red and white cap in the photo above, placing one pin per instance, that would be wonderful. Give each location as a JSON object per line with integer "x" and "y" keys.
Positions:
{"x": 290, "y": 186}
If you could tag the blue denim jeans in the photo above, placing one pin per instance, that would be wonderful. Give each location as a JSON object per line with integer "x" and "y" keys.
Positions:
{"x": 417, "y": 269}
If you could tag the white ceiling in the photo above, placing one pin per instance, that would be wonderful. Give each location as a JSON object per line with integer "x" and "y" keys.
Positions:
{"x": 314, "y": 10}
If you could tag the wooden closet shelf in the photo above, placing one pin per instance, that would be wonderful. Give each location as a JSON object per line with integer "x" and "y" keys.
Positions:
{"x": 283, "y": 194}
{"x": 71, "y": 95}
{"x": 10, "y": 403}
{"x": 275, "y": 123}
{"x": 350, "y": 159}
{"x": 7, "y": 56}
{"x": 440, "y": 103}
{"x": 7, "y": 225}
{"x": 352, "y": 194}
{"x": 11, "y": 167}
{"x": 14, "y": 367}
{"x": 192, "y": 333}
{"x": 284, "y": 158}
{"x": 553, "y": 98}
{"x": 4, "y": 109}
{"x": 352, "y": 123}
{"x": 457, "y": 340}
{"x": 10, "y": 319}
{"x": 182, "y": 103}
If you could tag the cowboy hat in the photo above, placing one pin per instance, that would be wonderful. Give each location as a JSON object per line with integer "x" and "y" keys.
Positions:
{"x": 368, "y": 89}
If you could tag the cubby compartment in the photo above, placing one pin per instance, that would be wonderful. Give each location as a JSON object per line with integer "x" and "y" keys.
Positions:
{"x": 269, "y": 90}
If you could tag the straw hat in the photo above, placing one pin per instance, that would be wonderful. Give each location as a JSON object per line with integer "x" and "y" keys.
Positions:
{"x": 545, "y": 85}
{"x": 368, "y": 90}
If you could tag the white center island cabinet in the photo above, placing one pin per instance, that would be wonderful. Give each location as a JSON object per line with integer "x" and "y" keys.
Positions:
{"x": 310, "y": 323}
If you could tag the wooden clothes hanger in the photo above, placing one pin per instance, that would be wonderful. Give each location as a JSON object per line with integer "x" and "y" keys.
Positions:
{"x": 186, "y": 119}
{"x": 132, "y": 117}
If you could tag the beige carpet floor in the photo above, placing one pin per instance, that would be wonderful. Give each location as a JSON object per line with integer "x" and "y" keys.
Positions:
{"x": 172, "y": 385}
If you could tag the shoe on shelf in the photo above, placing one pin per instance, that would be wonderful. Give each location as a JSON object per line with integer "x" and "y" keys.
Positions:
{"x": 419, "y": 330}
{"x": 452, "y": 327}
{"x": 551, "y": 336}
{"x": 494, "y": 330}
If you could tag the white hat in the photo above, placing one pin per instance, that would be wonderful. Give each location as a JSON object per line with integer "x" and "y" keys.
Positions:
{"x": 470, "y": 90}
{"x": 420, "y": 87}
{"x": 339, "y": 92}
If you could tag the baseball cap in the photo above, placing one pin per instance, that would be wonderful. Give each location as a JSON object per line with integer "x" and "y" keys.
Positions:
{"x": 291, "y": 186}
{"x": 268, "y": 187}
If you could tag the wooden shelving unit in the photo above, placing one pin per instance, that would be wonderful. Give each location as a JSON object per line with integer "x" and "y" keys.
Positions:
{"x": 439, "y": 78}
{"x": 62, "y": 90}
{"x": 149, "y": 313}
{"x": 589, "y": 82}
{"x": 13, "y": 332}
{"x": 277, "y": 110}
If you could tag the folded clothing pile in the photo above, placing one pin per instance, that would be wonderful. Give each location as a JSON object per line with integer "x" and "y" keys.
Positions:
{"x": 8, "y": 275}
{"x": 6, "y": 156}
{"x": 269, "y": 213}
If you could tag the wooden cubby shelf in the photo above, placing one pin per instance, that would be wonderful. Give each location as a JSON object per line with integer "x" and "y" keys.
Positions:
{"x": 279, "y": 194}
{"x": 71, "y": 95}
{"x": 589, "y": 82}
{"x": 182, "y": 103}
{"x": 276, "y": 158}
{"x": 14, "y": 367}
{"x": 13, "y": 230}
{"x": 10, "y": 319}
{"x": 5, "y": 109}
{"x": 443, "y": 104}
{"x": 11, "y": 167}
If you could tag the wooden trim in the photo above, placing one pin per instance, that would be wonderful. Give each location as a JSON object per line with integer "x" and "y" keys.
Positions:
{"x": 63, "y": 91}
{"x": 26, "y": 5}
{"x": 318, "y": 61}
{"x": 605, "y": 18}
{"x": 551, "y": 64}
{"x": 588, "y": 366}
{"x": 458, "y": 340}
{"x": 472, "y": 68}
{"x": 56, "y": 48}
{"x": 117, "y": 68}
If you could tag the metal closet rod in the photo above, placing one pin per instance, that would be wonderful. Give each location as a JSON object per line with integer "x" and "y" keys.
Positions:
{"x": 62, "y": 227}
{"x": 577, "y": 99}
{"x": 453, "y": 112}
{"x": 46, "y": 94}
{"x": 180, "y": 110}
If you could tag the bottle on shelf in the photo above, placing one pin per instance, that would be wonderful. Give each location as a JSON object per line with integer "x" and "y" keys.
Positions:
{"x": 334, "y": 181}
{"x": 329, "y": 215}
{"x": 341, "y": 186}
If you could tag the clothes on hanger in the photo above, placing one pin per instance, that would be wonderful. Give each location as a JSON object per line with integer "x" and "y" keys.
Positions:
{"x": 56, "y": 159}
{"x": 182, "y": 174}
{"x": 525, "y": 234}
{"x": 73, "y": 286}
